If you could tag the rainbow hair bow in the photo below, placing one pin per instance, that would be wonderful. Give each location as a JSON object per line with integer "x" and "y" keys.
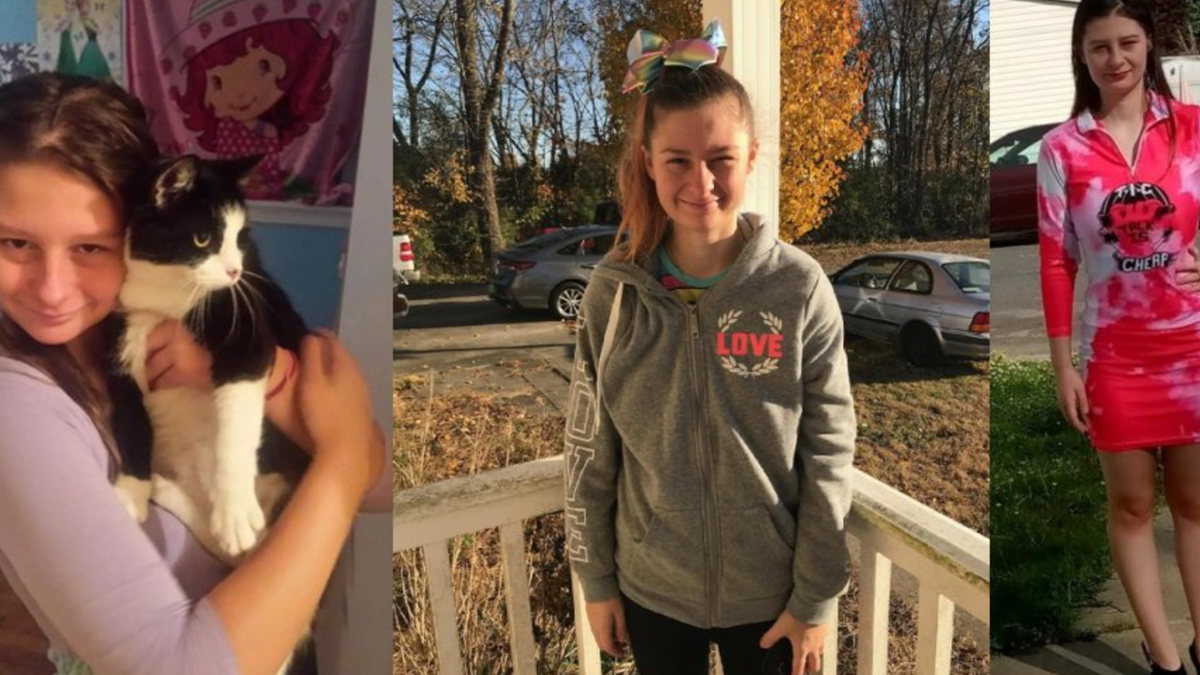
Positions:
{"x": 650, "y": 52}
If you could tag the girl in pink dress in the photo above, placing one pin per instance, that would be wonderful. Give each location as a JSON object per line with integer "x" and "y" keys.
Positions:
{"x": 1118, "y": 189}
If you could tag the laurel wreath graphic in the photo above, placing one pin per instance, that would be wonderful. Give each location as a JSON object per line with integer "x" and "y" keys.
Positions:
{"x": 725, "y": 322}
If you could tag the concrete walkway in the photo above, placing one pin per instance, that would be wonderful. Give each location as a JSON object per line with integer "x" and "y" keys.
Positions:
{"x": 1117, "y": 648}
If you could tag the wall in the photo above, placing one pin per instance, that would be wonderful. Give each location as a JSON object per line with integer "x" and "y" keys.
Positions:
{"x": 1031, "y": 80}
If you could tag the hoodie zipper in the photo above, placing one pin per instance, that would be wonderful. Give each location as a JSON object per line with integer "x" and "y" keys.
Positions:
{"x": 704, "y": 463}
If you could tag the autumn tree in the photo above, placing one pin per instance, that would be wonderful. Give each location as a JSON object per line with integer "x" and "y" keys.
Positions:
{"x": 417, "y": 28}
{"x": 619, "y": 20}
{"x": 481, "y": 75}
{"x": 550, "y": 113}
{"x": 923, "y": 170}
{"x": 1177, "y": 22}
{"x": 407, "y": 216}
{"x": 823, "y": 76}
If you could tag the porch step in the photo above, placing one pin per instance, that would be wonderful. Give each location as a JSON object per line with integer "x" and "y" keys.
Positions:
{"x": 1110, "y": 654}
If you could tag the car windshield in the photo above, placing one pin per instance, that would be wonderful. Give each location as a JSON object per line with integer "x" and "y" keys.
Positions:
{"x": 972, "y": 276}
{"x": 1019, "y": 148}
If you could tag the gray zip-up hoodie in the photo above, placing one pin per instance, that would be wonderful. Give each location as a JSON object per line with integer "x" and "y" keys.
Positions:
{"x": 709, "y": 446}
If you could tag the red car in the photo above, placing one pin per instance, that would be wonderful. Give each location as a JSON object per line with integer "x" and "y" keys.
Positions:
{"x": 1013, "y": 159}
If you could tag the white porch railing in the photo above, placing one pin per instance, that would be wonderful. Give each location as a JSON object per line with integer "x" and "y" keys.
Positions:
{"x": 949, "y": 561}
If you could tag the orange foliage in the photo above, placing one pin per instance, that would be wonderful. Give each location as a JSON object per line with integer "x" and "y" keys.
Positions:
{"x": 823, "y": 77}
{"x": 407, "y": 217}
{"x": 619, "y": 20}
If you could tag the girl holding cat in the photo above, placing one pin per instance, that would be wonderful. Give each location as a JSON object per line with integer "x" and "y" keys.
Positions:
{"x": 113, "y": 596}
{"x": 711, "y": 429}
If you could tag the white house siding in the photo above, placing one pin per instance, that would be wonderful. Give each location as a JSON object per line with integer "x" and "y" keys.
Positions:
{"x": 1031, "y": 79}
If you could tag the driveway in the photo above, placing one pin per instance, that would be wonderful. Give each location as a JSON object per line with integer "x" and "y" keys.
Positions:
{"x": 1018, "y": 330}
{"x": 473, "y": 344}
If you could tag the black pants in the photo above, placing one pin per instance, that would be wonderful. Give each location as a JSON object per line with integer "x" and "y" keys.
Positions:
{"x": 664, "y": 646}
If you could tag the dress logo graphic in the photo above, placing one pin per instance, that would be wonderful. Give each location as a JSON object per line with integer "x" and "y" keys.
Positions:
{"x": 735, "y": 345}
{"x": 1136, "y": 219}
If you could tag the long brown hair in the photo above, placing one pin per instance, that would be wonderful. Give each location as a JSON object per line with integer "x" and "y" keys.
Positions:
{"x": 644, "y": 222}
{"x": 95, "y": 130}
{"x": 1087, "y": 94}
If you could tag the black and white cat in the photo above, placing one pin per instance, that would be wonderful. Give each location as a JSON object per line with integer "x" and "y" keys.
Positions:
{"x": 189, "y": 257}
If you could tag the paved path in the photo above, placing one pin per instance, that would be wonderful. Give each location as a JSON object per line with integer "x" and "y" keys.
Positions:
{"x": 1117, "y": 649}
{"x": 455, "y": 327}
{"x": 1018, "y": 330}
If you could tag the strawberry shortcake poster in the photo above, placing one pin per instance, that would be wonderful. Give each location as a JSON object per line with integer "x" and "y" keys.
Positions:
{"x": 226, "y": 79}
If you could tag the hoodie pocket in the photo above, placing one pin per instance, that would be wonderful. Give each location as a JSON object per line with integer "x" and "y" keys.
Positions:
{"x": 667, "y": 559}
{"x": 756, "y": 562}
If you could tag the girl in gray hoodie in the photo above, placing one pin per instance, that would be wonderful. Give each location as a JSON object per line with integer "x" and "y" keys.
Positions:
{"x": 710, "y": 433}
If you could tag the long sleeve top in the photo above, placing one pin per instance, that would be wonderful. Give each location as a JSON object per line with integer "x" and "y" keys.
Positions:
{"x": 709, "y": 446}
{"x": 1128, "y": 223}
{"x": 126, "y": 599}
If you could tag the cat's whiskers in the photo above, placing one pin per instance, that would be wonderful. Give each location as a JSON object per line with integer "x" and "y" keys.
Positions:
{"x": 262, "y": 300}
{"x": 245, "y": 289}
{"x": 233, "y": 296}
{"x": 197, "y": 311}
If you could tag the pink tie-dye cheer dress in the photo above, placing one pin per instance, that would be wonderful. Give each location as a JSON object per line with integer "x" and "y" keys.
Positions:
{"x": 1130, "y": 226}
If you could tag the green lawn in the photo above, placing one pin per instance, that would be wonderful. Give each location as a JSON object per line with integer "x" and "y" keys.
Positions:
{"x": 1049, "y": 548}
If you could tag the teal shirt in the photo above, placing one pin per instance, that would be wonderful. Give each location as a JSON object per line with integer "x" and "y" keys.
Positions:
{"x": 683, "y": 285}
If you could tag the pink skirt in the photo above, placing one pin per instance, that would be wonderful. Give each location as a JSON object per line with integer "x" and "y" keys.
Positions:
{"x": 1143, "y": 389}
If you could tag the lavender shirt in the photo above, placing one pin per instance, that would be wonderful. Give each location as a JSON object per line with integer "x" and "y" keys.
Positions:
{"x": 125, "y": 599}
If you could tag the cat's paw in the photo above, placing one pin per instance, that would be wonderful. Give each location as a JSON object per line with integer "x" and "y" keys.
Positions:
{"x": 134, "y": 495}
{"x": 236, "y": 523}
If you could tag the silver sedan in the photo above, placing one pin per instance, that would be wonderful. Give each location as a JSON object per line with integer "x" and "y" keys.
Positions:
{"x": 929, "y": 304}
{"x": 550, "y": 271}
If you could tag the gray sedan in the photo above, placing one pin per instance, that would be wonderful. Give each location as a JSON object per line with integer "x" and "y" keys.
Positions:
{"x": 551, "y": 270}
{"x": 930, "y": 304}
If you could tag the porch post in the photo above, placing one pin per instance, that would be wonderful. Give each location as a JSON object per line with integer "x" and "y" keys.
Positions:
{"x": 752, "y": 29}
{"x": 354, "y": 619}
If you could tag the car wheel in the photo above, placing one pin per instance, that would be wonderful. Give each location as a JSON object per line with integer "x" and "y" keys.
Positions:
{"x": 566, "y": 300}
{"x": 920, "y": 345}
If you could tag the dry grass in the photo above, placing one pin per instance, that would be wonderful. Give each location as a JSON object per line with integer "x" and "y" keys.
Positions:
{"x": 835, "y": 256}
{"x": 923, "y": 431}
{"x": 439, "y": 437}
{"x": 970, "y": 658}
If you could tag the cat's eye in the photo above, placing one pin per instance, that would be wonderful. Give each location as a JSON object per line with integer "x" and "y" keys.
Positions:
{"x": 201, "y": 240}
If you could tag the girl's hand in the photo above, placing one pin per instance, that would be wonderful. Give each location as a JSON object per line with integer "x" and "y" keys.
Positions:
{"x": 1187, "y": 271}
{"x": 607, "y": 620}
{"x": 808, "y": 640}
{"x": 335, "y": 407}
{"x": 282, "y": 408}
{"x": 1072, "y": 398}
{"x": 174, "y": 359}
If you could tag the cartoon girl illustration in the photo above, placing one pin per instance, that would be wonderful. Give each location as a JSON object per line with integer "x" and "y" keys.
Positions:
{"x": 254, "y": 90}
{"x": 91, "y": 61}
